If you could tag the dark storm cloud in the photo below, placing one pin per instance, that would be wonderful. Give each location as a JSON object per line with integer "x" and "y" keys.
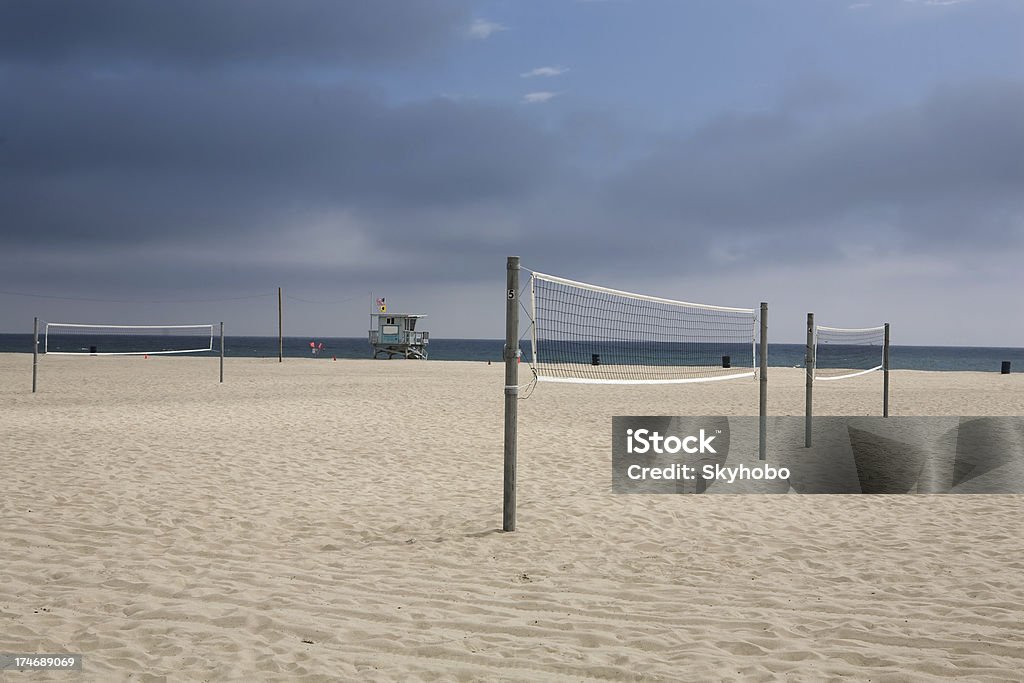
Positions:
{"x": 102, "y": 160}
{"x": 168, "y": 177}
{"x": 204, "y": 32}
{"x": 935, "y": 175}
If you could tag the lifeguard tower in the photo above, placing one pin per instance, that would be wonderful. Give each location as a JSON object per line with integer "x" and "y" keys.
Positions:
{"x": 394, "y": 334}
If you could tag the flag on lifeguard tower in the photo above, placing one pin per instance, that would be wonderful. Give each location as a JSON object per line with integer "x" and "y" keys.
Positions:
{"x": 381, "y": 306}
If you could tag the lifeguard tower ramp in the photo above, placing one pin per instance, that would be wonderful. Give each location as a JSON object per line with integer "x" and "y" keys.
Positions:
{"x": 394, "y": 335}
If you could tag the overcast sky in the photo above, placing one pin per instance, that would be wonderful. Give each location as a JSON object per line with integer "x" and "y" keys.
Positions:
{"x": 862, "y": 160}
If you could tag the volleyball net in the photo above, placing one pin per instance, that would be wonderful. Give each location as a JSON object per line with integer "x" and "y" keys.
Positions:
{"x": 125, "y": 340}
{"x": 590, "y": 334}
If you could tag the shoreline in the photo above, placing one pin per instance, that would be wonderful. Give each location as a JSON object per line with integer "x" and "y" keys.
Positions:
{"x": 524, "y": 367}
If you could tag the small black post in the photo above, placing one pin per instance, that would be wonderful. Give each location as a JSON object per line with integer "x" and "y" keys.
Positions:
{"x": 726, "y": 362}
{"x": 1005, "y": 369}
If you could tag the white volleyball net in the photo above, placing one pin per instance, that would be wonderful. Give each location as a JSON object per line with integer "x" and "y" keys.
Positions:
{"x": 124, "y": 340}
{"x": 841, "y": 353}
{"x": 585, "y": 333}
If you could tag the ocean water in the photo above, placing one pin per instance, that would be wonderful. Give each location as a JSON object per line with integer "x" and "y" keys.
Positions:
{"x": 976, "y": 358}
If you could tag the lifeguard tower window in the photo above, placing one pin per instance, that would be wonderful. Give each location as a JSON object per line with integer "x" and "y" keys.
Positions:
{"x": 389, "y": 329}
{"x": 389, "y": 321}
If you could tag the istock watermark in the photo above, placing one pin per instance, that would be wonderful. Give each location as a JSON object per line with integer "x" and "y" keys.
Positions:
{"x": 657, "y": 454}
{"x": 707, "y": 472}
{"x": 644, "y": 440}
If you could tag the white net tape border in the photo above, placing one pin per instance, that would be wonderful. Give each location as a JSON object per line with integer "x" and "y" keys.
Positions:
{"x": 634, "y": 295}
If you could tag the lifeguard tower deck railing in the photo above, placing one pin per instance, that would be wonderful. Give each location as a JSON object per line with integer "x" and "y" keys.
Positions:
{"x": 395, "y": 335}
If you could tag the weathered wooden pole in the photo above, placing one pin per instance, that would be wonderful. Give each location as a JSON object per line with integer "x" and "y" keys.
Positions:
{"x": 885, "y": 374}
{"x": 809, "y": 381}
{"x": 762, "y": 449}
{"x": 280, "y": 329}
{"x": 511, "y": 355}
{"x": 222, "y": 352}
{"x": 35, "y": 351}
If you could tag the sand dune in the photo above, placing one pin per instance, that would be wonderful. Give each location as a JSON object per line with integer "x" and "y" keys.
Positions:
{"x": 318, "y": 520}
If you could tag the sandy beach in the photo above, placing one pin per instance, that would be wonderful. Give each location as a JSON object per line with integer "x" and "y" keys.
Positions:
{"x": 318, "y": 520}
